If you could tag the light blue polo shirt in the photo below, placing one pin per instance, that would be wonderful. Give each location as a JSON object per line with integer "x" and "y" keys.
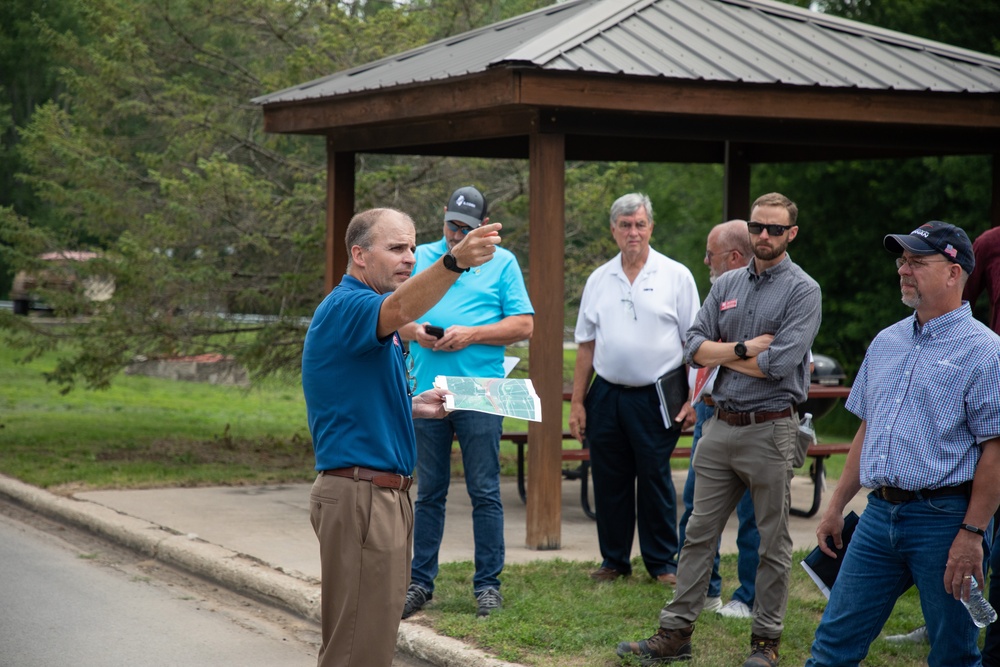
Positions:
{"x": 483, "y": 295}
{"x": 355, "y": 385}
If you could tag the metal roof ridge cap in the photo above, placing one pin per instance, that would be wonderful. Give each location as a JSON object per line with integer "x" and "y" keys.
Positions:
{"x": 868, "y": 30}
{"x": 540, "y": 49}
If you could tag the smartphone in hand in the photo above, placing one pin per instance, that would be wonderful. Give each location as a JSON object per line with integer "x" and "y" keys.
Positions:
{"x": 437, "y": 332}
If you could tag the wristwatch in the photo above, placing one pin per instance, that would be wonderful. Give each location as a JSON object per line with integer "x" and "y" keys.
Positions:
{"x": 451, "y": 264}
{"x": 741, "y": 350}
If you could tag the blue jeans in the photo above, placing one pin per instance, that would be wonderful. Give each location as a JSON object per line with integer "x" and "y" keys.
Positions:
{"x": 747, "y": 537}
{"x": 895, "y": 547}
{"x": 479, "y": 438}
{"x": 991, "y": 648}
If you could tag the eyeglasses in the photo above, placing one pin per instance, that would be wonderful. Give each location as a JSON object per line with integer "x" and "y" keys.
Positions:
{"x": 465, "y": 229}
{"x": 772, "y": 230}
{"x": 915, "y": 264}
{"x": 709, "y": 254}
{"x": 629, "y": 307}
{"x": 411, "y": 380}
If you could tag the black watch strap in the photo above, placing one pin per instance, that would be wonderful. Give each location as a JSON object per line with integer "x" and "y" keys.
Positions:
{"x": 974, "y": 529}
{"x": 451, "y": 263}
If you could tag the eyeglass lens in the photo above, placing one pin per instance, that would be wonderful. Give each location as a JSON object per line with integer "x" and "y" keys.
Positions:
{"x": 465, "y": 229}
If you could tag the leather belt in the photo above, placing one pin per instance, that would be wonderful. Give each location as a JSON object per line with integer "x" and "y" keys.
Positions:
{"x": 707, "y": 400}
{"x": 386, "y": 480}
{"x": 893, "y": 495}
{"x": 747, "y": 418}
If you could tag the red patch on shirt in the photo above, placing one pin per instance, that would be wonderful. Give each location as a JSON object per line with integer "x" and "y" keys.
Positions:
{"x": 726, "y": 305}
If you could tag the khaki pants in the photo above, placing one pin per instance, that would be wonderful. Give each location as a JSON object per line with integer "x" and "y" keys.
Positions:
{"x": 728, "y": 460}
{"x": 365, "y": 543}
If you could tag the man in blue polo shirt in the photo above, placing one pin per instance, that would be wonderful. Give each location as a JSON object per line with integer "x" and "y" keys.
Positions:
{"x": 360, "y": 407}
{"x": 487, "y": 309}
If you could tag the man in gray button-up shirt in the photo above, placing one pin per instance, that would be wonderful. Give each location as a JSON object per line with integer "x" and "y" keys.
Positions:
{"x": 757, "y": 325}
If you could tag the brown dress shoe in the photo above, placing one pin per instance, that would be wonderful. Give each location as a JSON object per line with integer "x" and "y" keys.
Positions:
{"x": 607, "y": 574}
{"x": 763, "y": 652}
{"x": 667, "y": 579}
{"x": 665, "y": 646}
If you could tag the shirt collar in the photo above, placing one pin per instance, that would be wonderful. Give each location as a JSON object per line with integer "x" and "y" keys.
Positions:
{"x": 771, "y": 273}
{"x": 942, "y": 322}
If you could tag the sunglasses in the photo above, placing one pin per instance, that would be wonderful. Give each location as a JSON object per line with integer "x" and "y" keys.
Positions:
{"x": 772, "y": 230}
{"x": 465, "y": 229}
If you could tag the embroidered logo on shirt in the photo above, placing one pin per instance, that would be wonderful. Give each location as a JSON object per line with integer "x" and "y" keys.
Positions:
{"x": 726, "y": 305}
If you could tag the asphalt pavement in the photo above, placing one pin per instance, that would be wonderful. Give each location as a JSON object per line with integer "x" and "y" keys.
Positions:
{"x": 258, "y": 539}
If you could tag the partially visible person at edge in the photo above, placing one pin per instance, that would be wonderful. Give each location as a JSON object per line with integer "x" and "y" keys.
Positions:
{"x": 726, "y": 249}
{"x": 757, "y": 324}
{"x": 487, "y": 309}
{"x": 360, "y": 408}
{"x": 986, "y": 277}
{"x": 928, "y": 395}
{"x": 630, "y": 331}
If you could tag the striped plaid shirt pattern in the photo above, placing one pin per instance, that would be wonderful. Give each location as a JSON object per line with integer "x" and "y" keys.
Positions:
{"x": 928, "y": 394}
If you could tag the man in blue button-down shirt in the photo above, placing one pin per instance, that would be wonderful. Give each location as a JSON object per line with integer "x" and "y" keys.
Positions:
{"x": 928, "y": 395}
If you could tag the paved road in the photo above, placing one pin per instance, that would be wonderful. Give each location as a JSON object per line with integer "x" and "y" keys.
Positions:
{"x": 71, "y": 599}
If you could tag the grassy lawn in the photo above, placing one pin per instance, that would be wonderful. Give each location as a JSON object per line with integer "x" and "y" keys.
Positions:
{"x": 147, "y": 432}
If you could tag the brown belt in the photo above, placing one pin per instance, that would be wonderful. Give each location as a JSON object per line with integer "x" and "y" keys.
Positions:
{"x": 707, "y": 400}
{"x": 386, "y": 480}
{"x": 894, "y": 495}
{"x": 747, "y": 418}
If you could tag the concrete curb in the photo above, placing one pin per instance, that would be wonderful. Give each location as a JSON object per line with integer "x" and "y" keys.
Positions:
{"x": 236, "y": 571}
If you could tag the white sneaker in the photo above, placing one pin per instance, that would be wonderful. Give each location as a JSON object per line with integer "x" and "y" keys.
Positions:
{"x": 735, "y": 609}
{"x": 712, "y": 604}
{"x": 916, "y": 637}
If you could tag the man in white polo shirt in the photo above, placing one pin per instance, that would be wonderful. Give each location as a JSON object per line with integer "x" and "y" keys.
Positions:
{"x": 634, "y": 313}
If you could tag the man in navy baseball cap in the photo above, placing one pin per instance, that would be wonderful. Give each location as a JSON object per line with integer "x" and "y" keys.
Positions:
{"x": 935, "y": 237}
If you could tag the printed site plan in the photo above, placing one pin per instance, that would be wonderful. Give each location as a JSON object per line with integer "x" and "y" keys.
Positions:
{"x": 498, "y": 396}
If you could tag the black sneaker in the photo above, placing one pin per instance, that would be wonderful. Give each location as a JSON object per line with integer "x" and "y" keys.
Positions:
{"x": 489, "y": 601}
{"x": 416, "y": 598}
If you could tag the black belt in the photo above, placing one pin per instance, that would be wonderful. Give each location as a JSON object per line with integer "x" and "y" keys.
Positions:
{"x": 386, "y": 480}
{"x": 747, "y": 418}
{"x": 893, "y": 495}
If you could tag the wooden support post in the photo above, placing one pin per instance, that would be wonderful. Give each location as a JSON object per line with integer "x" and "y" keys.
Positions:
{"x": 546, "y": 285}
{"x": 339, "y": 211}
{"x": 736, "y": 184}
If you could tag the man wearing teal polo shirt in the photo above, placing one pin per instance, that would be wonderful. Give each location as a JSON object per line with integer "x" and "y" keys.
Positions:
{"x": 487, "y": 309}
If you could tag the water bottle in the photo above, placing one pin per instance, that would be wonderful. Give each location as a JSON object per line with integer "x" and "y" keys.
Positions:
{"x": 807, "y": 428}
{"x": 980, "y": 609}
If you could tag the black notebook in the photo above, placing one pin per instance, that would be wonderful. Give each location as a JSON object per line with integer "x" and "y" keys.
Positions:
{"x": 821, "y": 568}
{"x": 672, "y": 388}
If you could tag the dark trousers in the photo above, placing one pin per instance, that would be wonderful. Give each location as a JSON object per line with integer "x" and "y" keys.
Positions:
{"x": 630, "y": 452}
{"x": 991, "y": 648}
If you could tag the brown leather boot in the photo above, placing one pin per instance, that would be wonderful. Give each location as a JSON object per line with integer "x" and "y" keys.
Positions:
{"x": 763, "y": 652}
{"x": 663, "y": 647}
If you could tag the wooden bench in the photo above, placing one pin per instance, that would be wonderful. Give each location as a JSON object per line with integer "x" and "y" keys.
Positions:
{"x": 817, "y": 468}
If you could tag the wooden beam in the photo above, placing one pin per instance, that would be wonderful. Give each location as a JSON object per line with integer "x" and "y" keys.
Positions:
{"x": 547, "y": 182}
{"x": 728, "y": 100}
{"x": 515, "y": 88}
{"x": 339, "y": 211}
{"x": 736, "y": 184}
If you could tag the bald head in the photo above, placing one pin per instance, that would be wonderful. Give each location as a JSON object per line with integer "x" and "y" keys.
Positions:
{"x": 728, "y": 247}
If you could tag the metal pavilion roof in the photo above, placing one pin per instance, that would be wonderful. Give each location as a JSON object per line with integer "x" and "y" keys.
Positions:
{"x": 738, "y": 41}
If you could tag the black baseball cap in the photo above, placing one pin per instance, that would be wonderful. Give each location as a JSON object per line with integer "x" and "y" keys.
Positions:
{"x": 935, "y": 237}
{"x": 467, "y": 205}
